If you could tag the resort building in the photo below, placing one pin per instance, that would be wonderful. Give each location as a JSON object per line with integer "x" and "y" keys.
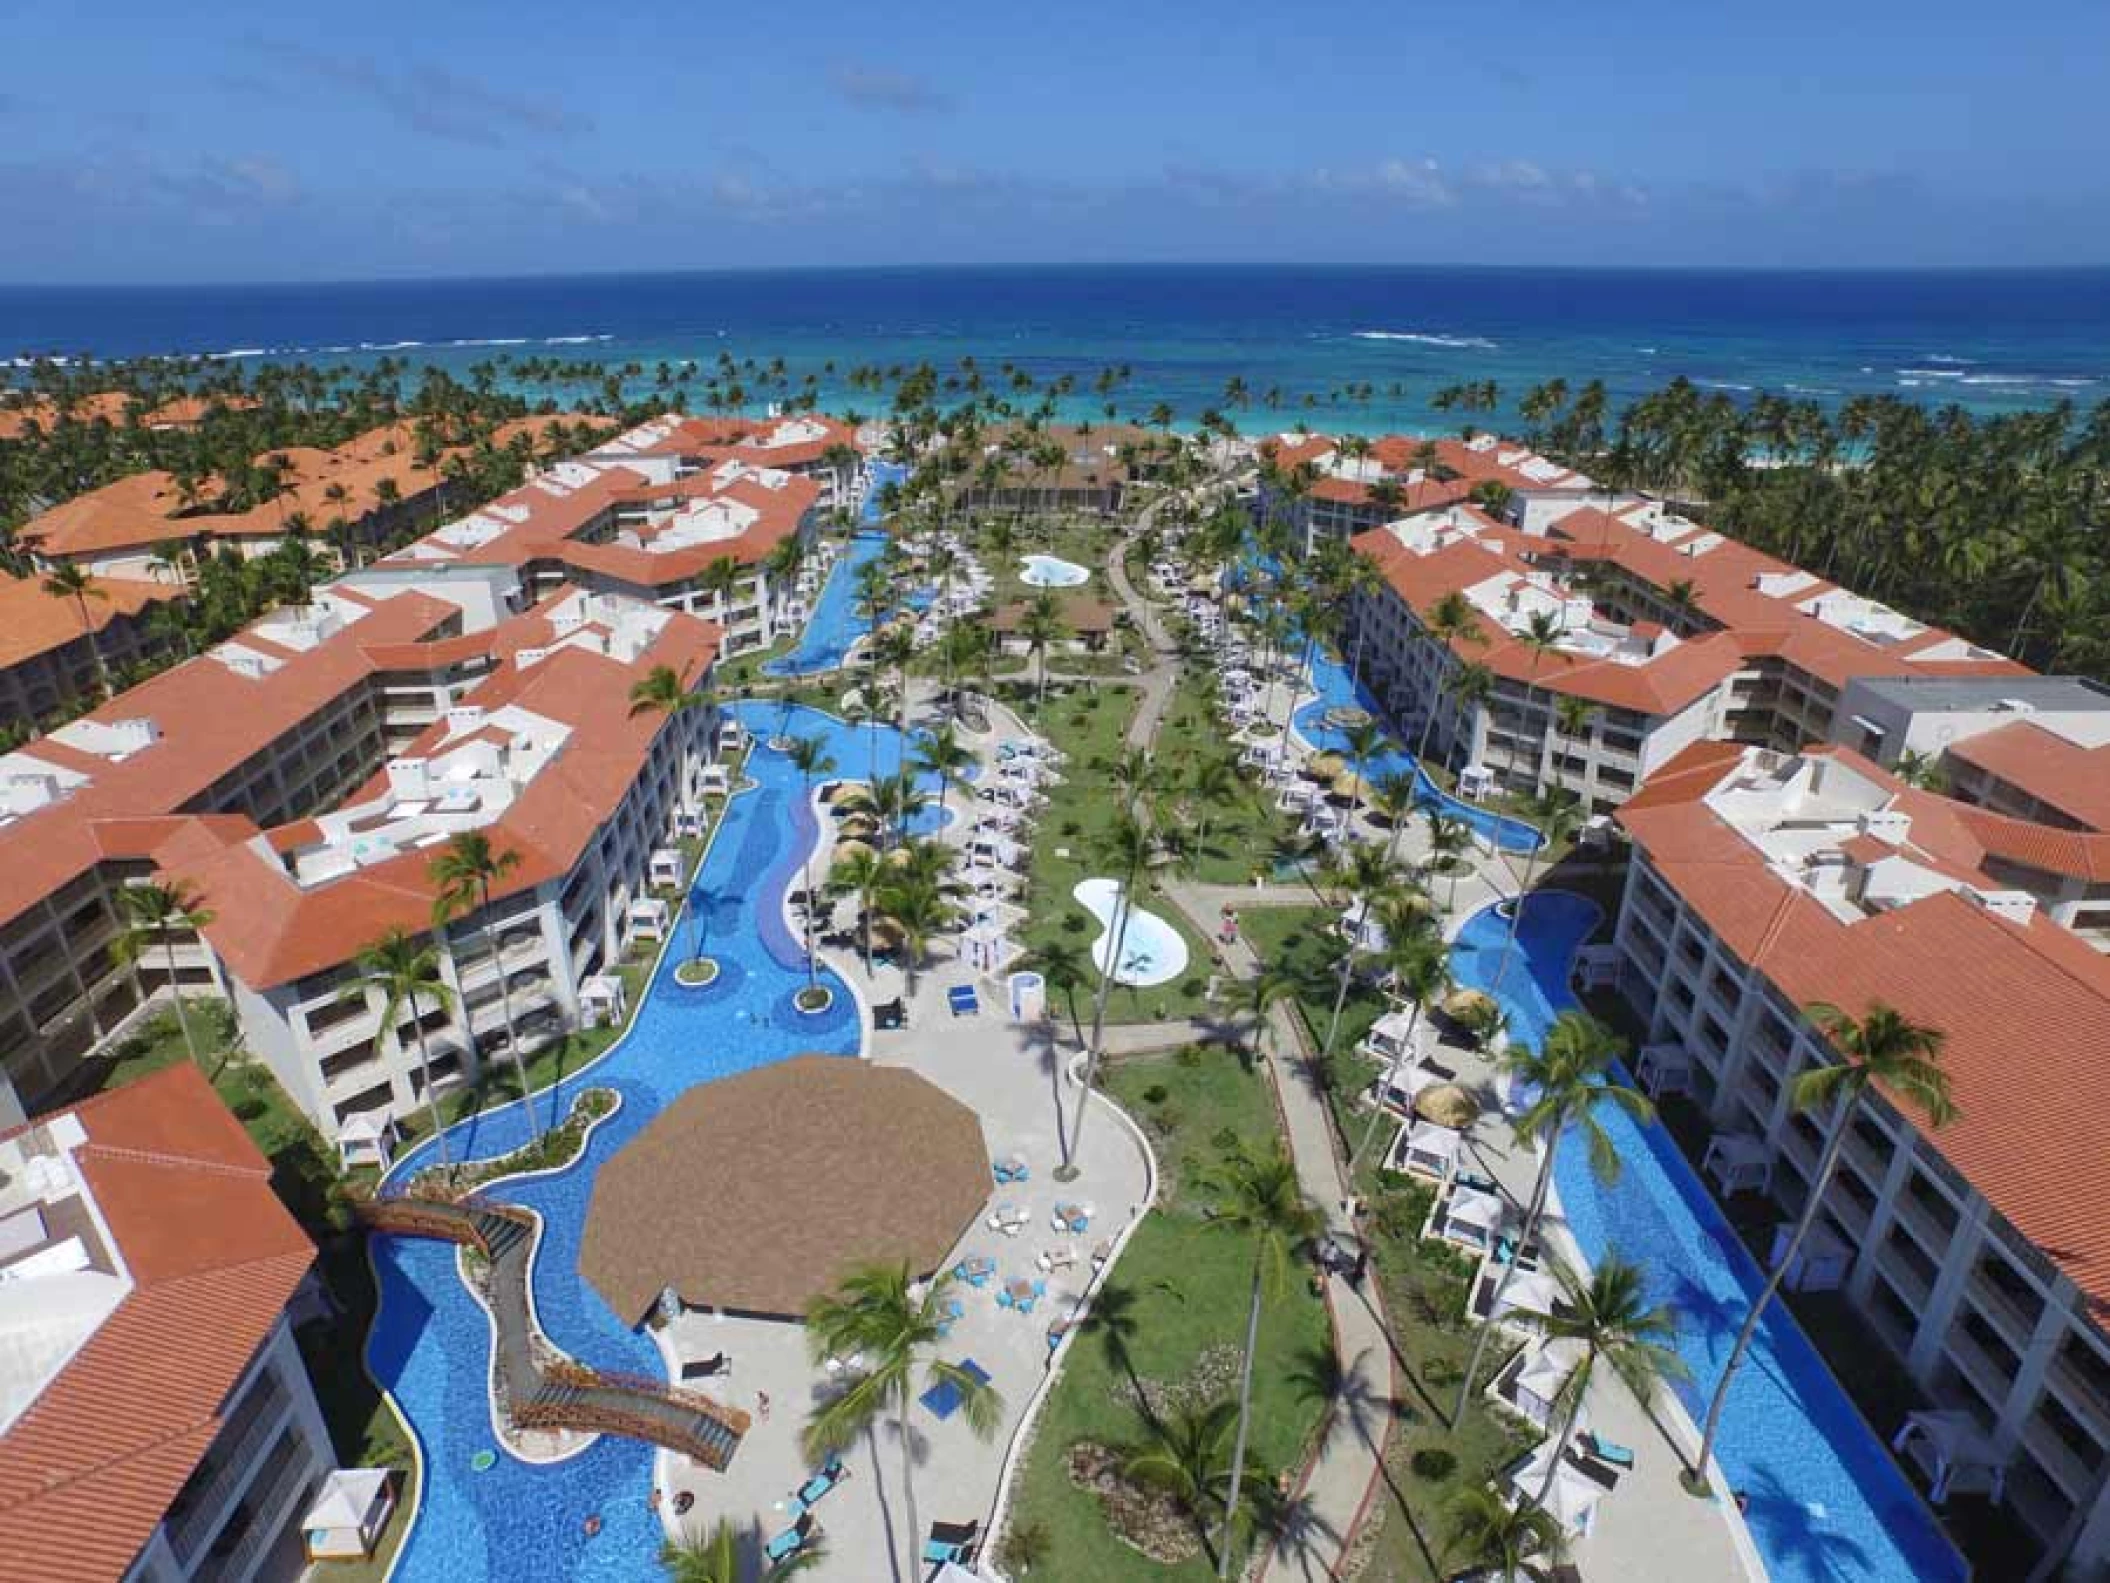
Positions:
{"x": 18, "y": 414}
{"x": 806, "y": 445}
{"x": 300, "y": 777}
{"x": 1056, "y": 467}
{"x": 55, "y": 650}
{"x": 1336, "y": 488}
{"x": 710, "y": 542}
{"x": 1763, "y": 883}
{"x": 156, "y": 1423}
{"x": 1659, "y": 633}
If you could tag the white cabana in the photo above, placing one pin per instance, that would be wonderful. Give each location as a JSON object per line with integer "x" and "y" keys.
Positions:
{"x": 1472, "y": 1218}
{"x": 648, "y": 918}
{"x": 349, "y": 1513}
{"x": 1821, "y": 1263}
{"x": 1426, "y": 1148}
{"x": 986, "y": 947}
{"x": 1387, "y": 1038}
{"x": 1541, "y": 1374}
{"x": 995, "y": 849}
{"x": 717, "y": 778}
{"x": 666, "y": 866}
{"x": 602, "y": 1001}
{"x": 1598, "y": 966}
{"x": 1572, "y": 1500}
{"x": 1475, "y": 781}
{"x": 1530, "y": 1292}
{"x": 1954, "y": 1453}
{"x": 1738, "y": 1162}
{"x": 1664, "y": 1069}
{"x": 367, "y": 1137}
{"x": 1362, "y": 933}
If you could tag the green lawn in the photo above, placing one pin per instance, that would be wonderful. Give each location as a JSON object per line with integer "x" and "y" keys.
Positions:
{"x": 1089, "y": 725}
{"x": 1238, "y": 840}
{"x": 1183, "y": 1289}
{"x": 1423, "y": 1284}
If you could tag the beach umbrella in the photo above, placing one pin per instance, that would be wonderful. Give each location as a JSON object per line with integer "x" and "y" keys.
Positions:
{"x": 844, "y": 849}
{"x": 857, "y": 825}
{"x": 1461, "y": 1004}
{"x": 1448, "y": 1105}
{"x": 886, "y": 934}
{"x": 1350, "y": 787}
{"x": 852, "y": 797}
{"x": 1324, "y": 766}
{"x": 898, "y": 858}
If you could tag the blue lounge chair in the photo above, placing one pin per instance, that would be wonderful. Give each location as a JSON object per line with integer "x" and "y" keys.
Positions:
{"x": 793, "y": 1539}
{"x": 962, "y": 999}
{"x": 1004, "y": 1299}
{"x": 951, "y": 1542}
{"x": 1609, "y": 1452}
{"x": 829, "y": 1474}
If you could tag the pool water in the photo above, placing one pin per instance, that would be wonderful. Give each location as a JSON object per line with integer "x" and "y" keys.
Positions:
{"x": 1826, "y": 1503}
{"x": 1052, "y": 571}
{"x": 836, "y": 622}
{"x": 430, "y": 1345}
{"x": 1152, "y": 951}
{"x": 878, "y": 475}
{"x": 1337, "y": 689}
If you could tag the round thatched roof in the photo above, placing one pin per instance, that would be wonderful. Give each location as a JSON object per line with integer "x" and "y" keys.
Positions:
{"x": 1447, "y": 1104}
{"x": 758, "y": 1193}
{"x": 1460, "y": 1004}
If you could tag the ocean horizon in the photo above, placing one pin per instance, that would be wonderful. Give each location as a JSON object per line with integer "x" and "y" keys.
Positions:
{"x": 1346, "y": 345}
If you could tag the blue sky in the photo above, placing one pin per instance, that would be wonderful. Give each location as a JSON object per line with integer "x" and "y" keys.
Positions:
{"x": 240, "y": 141}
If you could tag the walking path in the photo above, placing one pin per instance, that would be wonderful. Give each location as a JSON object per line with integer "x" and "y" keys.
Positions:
{"x": 1337, "y": 1485}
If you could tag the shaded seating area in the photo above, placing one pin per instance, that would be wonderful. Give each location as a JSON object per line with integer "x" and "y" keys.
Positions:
{"x": 349, "y": 1514}
{"x": 942, "y": 1400}
{"x": 952, "y": 1543}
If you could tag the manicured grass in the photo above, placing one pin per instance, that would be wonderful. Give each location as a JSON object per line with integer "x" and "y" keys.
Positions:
{"x": 1182, "y": 1289}
{"x": 1234, "y": 841}
{"x": 1090, "y": 726}
{"x": 1423, "y": 1282}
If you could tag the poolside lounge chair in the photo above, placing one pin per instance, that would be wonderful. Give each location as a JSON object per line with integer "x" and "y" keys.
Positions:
{"x": 793, "y": 1539}
{"x": 823, "y": 1479}
{"x": 890, "y": 1014}
{"x": 707, "y": 1368}
{"x": 1609, "y": 1452}
{"x": 952, "y": 1542}
{"x": 963, "y": 1000}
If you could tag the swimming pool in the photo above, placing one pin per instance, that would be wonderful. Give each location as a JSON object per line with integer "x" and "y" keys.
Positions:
{"x": 878, "y": 475}
{"x": 1152, "y": 951}
{"x": 1826, "y": 1503}
{"x": 836, "y": 622}
{"x": 430, "y": 1345}
{"x": 1052, "y": 571}
{"x": 1337, "y": 689}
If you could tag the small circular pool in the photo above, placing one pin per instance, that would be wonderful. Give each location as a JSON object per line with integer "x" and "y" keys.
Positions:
{"x": 1052, "y": 571}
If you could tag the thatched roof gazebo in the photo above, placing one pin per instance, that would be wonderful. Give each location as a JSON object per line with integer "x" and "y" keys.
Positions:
{"x": 757, "y": 1193}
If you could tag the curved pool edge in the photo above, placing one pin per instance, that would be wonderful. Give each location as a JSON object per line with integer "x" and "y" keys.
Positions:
{"x": 1785, "y": 1339}
{"x": 1170, "y": 935}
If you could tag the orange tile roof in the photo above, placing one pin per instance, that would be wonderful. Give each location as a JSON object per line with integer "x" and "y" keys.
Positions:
{"x": 33, "y": 622}
{"x": 16, "y": 415}
{"x": 2025, "y": 1009}
{"x": 90, "y": 1469}
{"x": 2058, "y": 773}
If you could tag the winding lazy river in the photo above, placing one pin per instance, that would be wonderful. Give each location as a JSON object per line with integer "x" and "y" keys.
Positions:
{"x": 430, "y": 1345}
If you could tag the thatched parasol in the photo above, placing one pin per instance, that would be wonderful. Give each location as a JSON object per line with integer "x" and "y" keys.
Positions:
{"x": 1462, "y": 1004}
{"x": 1350, "y": 787}
{"x": 853, "y": 795}
{"x": 844, "y": 849}
{"x": 886, "y": 934}
{"x": 1324, "y": 766}
{"x": 1448, "y": 1105}
{"x": 857, "y": 826}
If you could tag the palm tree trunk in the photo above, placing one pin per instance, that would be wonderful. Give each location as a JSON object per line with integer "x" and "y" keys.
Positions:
{"x": 908, "y": 1489}
{"x": 1833, "y": 1147}
{"x": 1526, "y": 1233}
{"x": 1568, "y": 1422}
{"x": 1340, "y": 994}
{"x": 1124, "y": 908}
{"x": 813, "y": 970}
{"x": 190, "y": 1044}
{"x": 505, "y": 1011}
{"x": 432, "y": 1101}
{"x": 1245, "y": 1413}
{"x": 1516, "y": 915}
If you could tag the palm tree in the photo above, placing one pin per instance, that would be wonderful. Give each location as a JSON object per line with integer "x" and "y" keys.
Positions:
{"x": 1362, "y": 871}
{"x": 1542, "y": 636}
{"x": 1129, "y": 845}
{"x": 159, "y": 913}
{"x": 1572, "y": 1073}
{"x": 713, "y": 1557}
{"x": 1575, "y": 719}
{"x": 1041, "y": 625}
{"x": 1212, "y": 783}
{"x": 1063, "y": 967}
{"x": 1394, "y": 797}
{"x": 898, "y": 1326}
{"x": 1185, "y": 1455}
{"x": 1921, "y": 770}
{"x": 66, "y": 580}
{"x": 406, "y": 971}
{"x": 1447, "y": 623}
{"x": 810, "y": 757}
{"x": 1883, "y": 1047}
{"x": 861, "y": 874}
{"x": 1557, "y": 814}
{"x": 1470, "y": 687}
{"x": 663, "y": 691}
{"x": 1259, "y": 1198}
{"x": 1501, "y": 1541}
{"x": 1609, "y": 1316}
{"x": 1366, "y": 739}
{"x": 1421, "y": 972}
{"x": 919, "y": 907}
{"x": 464, "y": 873}
{"x": 942, "y": 754}
{"x": 1449, "y": 837}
